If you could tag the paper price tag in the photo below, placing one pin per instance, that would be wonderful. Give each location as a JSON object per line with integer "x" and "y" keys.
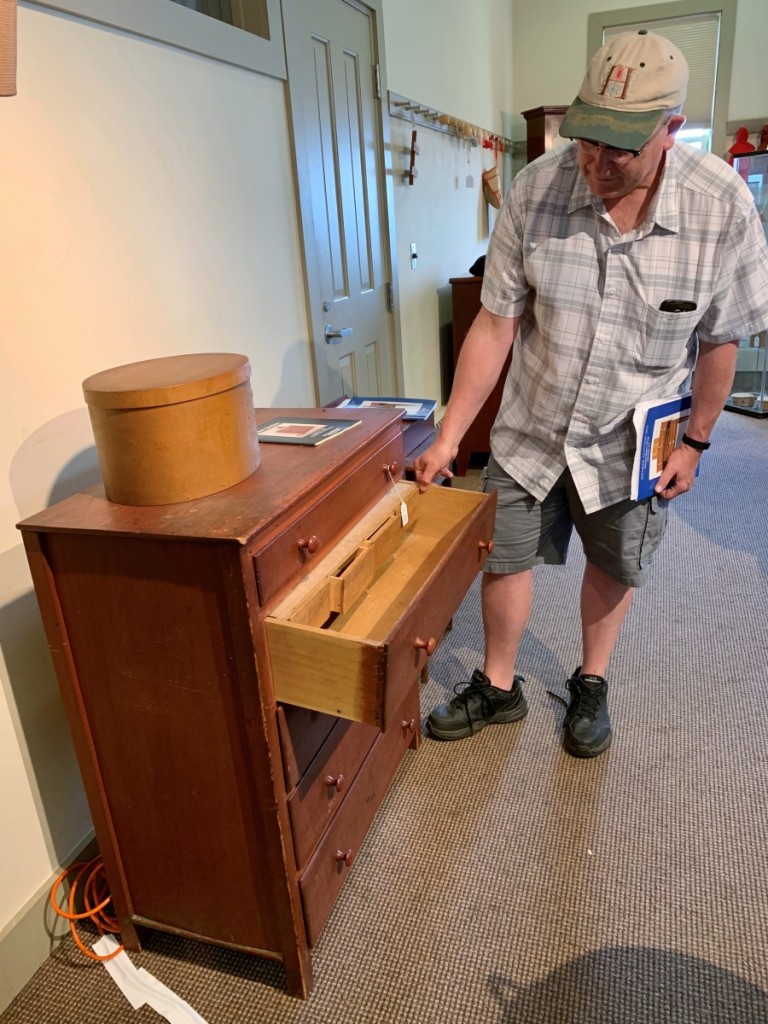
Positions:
{"x": 403, "y": 506}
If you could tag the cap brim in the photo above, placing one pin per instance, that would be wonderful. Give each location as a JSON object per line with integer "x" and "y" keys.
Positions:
{"x": 620, "y": 129}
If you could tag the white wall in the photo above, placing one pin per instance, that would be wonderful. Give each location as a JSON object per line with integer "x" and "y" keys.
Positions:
{"x": 452, "y": 55}
{"x": 457, "y": 58}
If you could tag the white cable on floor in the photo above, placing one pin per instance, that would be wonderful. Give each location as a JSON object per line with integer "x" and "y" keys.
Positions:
{"x": 140, "y": 988}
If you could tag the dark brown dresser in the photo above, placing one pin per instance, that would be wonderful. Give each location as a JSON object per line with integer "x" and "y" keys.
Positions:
{"x": 241, "y": 677}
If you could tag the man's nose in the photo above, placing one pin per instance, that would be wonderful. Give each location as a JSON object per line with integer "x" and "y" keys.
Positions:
{"x": 602, "y": 160}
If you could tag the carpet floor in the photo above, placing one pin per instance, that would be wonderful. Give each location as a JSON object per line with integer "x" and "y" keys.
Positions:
{"x": 504, "y": 882}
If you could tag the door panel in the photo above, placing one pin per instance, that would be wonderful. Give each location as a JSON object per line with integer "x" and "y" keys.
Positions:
{"x": 347, "y": 375}
{"x": 326, "y": 207}
{"x": 337, "y": 138}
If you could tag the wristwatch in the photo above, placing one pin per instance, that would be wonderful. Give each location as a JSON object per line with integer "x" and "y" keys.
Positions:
{"x": 699, "y": 446}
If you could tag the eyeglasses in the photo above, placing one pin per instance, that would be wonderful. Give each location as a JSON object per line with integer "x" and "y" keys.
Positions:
{"x": 620, "y": 157}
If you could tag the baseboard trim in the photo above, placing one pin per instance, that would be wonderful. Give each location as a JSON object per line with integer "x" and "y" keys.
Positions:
{"x": 28, "y": 940}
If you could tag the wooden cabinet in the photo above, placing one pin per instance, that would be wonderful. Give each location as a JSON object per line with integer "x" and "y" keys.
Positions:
{"x": 542, "y": 125}
{"x": 465, "y": 302}
{"x": 240, "y": 674}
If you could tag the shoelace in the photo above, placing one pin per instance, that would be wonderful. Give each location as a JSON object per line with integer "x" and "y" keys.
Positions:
{"x": 486, "y": 705}
{"x": 583, "y": 702}
{"x": 586, "y": 702}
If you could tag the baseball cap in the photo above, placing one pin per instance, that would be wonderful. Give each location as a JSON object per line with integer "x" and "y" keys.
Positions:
{"x": 630, "y": 82}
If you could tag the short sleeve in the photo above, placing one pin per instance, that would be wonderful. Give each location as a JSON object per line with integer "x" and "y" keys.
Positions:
{"x": 739, "y": 305}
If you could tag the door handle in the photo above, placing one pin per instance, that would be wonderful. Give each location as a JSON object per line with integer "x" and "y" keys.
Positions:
{"x": 334, "y": 336}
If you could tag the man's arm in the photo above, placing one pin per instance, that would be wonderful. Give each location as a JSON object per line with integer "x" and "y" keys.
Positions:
{"x": 712, "y": 382}
{"x": 483, "y": 352}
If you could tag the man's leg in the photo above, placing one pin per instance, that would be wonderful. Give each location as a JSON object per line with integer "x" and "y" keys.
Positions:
{"x": 619, "y": 541}
{"x": 604, "y": 605}
{"x": 506, "y": 602}
{"x": 527, "y": 532}
{"x": 493, "y": 696}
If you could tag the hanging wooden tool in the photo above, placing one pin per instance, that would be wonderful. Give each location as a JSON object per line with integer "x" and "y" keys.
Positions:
{"x": 412, "y": 173}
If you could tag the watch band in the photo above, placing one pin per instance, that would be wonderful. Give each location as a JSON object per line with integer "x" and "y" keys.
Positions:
{"x": 699, "y": 446}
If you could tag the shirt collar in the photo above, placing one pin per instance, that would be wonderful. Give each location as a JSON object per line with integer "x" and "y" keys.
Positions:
{"x": 664, "y": 210}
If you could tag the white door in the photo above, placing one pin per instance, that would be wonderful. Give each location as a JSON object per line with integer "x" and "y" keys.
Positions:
{"x": 335, "y": 111}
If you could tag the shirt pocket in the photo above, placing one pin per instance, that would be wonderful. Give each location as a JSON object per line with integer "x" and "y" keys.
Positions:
{"x": 664, "y": 338}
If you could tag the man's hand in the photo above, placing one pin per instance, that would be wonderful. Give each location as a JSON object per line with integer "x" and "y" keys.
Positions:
{"x": 436, "y": 461}
{"x": 712, "y": 384}
{"x": 679, "y": 473}
{"x": 481, "y": 360}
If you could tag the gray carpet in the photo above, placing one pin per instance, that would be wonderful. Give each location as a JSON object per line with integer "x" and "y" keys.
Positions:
{"x": 505, "y": 882}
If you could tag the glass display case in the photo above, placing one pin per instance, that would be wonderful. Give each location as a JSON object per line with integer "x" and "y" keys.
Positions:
{"x": 750, "y": 384}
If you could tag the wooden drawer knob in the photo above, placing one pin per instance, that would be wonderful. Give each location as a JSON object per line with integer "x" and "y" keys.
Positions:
{"x": 310, "y": 545}
{"x": 409, "y": 725}
{"x": 486, "y": 545}
{"x": 344, "y": 858}
{"x": 425, "y": 645}
{"x": 335, "y": 781}
{"x": 391, "y": 468}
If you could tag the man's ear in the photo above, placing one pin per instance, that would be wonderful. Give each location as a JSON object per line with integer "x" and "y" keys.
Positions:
{"x": 674, "y": 124}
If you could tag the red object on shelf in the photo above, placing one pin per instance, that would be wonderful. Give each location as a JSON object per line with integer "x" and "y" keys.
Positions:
{"x": 741, "y": 146}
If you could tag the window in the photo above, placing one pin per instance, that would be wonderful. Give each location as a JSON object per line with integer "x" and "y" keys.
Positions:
{"x": 181, "y": 23}
{"x": 251, "y": 15}
{"x": 699, "y": 138}
{"x": 705, "y": 36}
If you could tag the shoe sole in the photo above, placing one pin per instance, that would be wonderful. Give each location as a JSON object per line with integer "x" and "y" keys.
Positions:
{"x": 578, "y": 751}
{"x": 505, "y": 718}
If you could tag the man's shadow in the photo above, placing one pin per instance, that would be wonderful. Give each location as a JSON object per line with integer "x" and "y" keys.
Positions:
{"x": 635, "y": 985}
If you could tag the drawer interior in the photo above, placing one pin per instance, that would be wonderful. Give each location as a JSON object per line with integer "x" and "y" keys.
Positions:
{"x": 373, "y": 582}
{"x": 332, "y": 629}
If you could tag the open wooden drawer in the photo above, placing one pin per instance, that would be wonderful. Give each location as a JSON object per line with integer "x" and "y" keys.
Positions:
{"x": 353, "y": 636}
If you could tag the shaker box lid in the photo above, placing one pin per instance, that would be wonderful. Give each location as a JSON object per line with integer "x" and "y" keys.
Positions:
{"x": 166, "y": 380}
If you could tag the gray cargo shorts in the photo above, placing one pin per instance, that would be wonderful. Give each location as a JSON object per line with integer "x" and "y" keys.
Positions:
{"x": 619, "y": 540}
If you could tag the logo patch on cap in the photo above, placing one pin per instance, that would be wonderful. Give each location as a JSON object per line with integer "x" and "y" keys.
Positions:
{"x": 617, "y": 81}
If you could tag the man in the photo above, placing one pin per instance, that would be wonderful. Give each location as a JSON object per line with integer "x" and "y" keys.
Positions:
{"x": 594, "y": 242}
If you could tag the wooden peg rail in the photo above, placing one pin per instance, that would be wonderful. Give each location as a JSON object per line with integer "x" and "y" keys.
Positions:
{"x": 420, "y": 114}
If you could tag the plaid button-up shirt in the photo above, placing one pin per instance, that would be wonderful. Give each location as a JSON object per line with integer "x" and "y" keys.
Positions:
{"x": 592, "y": 341}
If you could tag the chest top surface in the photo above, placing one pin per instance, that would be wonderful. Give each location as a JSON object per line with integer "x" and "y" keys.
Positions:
{"x": 288, "y": 475}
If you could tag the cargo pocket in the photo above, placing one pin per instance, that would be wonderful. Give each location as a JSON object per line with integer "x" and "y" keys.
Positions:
{"x": 655, "y": 525}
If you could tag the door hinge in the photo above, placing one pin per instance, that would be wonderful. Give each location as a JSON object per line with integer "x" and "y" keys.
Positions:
{"x": 377, "y": 80}
{"x": 390, "y": 297}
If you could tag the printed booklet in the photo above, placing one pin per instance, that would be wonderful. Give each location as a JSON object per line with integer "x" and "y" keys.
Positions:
{"x": 660, "y": 426}
{"x": 303, "y": 429}
{"x": 413, "y": 408}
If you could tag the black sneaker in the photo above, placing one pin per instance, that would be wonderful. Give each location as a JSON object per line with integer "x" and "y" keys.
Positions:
{"x": 477, "y": 705}
{"x": 587, "y": 727}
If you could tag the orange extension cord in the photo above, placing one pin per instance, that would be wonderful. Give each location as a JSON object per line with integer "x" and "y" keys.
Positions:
{"x": 96, "y": 897}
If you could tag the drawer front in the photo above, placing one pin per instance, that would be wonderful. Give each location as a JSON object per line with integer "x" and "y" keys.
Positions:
{"x": 329, "y": 778}
{"x": 421, "y": 627}
{"x": 313, "y": 533}
{"x": 362, "y": 666}
{"x": 332, "y": 860}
